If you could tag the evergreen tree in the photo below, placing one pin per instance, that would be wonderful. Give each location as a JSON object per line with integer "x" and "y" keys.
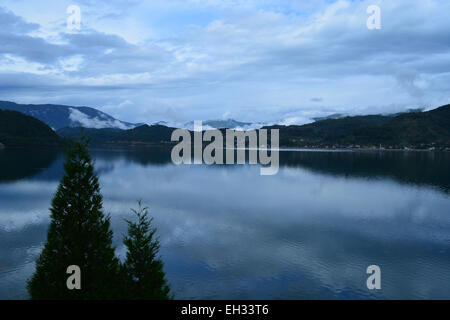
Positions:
{"x": 79, "y": 234}
{"x": 145, "y": 278}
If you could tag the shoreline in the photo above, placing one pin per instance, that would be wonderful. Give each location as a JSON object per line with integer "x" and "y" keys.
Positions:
{"x": 284, "y": 149}
{"x": 280, "y": 149}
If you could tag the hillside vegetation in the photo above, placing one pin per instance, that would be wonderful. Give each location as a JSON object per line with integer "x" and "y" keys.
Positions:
{"x": 145, "y": 134}
{"x": 416, "y": 129}
{"x": 18, "y": 129}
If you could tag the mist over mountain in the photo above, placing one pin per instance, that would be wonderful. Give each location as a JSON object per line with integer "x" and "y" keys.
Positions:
{"x": 61, "y": 116}
{"x": 416, "y": 129}
{"x": 225, "y": 124}
{"x": 343, "y": 115}
{"x": 64, "y": 116}
{"x": 413, "y": 130}
{"x": 331, "y": 116}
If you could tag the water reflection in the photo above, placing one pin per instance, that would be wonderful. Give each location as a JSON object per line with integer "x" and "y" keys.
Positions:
{"x": 308, "y": 232}
{"x": 16, "y": 164}
{"x": 420, "y": 168}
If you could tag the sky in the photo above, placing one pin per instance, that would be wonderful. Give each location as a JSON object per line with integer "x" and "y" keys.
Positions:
{"x": 250, "y": 60}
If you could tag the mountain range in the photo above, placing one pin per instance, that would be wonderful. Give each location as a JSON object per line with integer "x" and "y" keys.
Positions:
{"x": 414, "y": 129}
{"x": 61, "y": 116}
{"x": 420, "y": 130}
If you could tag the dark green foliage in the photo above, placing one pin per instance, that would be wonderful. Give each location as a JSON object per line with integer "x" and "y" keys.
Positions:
{"x": 79, "y": 234}
{"x": 409, "y": 129}
{"x": 149, "y": 134}
{"x": 143, "y": 269}
{"x": 420, "y": 127}
{"x": 96, "y": 136}
{"x": 329, "y": 131}
{"x": 18, "y": 129}
{"x": 142, "y": 135}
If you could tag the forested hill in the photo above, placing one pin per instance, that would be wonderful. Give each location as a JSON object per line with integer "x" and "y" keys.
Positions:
{"x": 18, "y": 129}
{"x": 416, "y": 129}
{"x": 145, "y": 134}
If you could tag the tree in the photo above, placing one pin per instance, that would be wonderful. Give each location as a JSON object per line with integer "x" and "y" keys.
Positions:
{"x": 143, "y": 270}
{"x": 79, "y": 234}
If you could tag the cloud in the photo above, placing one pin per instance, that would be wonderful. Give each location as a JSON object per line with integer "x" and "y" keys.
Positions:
{"x": 410, "y": 81}
{"x": 81, "y": 119}
{"x": 256, "y": 60}
{"x": 15, "y": 24}
{"x": 295, "y": 121}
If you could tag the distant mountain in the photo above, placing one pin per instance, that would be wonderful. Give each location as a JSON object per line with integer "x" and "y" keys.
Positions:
{"x": 220, "y": 124}
{"x": 142, "y": 135}
{"x": 326, "y": 131}
{"x": 331, "y": 116}
{"x": 342, "y": 115}
{"x": 413, "y": 110}
{"x": 419, "y": 127}
{"x": 406, "y": 129}
{"x": 225, "y": 124}
{"x": 60, "y": 116}
{"x": 98, "y": 136}
{"x": 19, "y": 130}
{"x": 161, "y": 123}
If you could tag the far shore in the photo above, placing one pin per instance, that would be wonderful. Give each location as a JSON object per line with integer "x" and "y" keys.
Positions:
{"x": 280, "y": 149}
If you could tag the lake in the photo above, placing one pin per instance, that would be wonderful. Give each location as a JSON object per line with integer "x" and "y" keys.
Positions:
{"x": 226, "y": 232}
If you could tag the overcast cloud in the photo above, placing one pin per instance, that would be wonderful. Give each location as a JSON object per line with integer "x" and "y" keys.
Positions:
{"x": 251, "y": 60}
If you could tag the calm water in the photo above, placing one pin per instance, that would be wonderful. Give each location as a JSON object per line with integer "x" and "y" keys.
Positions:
{"x": 226, "y": 232}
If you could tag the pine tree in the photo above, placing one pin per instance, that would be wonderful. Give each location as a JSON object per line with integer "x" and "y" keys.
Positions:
{"x": 143, "y": 269}
{"x": 79, "y": 234}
